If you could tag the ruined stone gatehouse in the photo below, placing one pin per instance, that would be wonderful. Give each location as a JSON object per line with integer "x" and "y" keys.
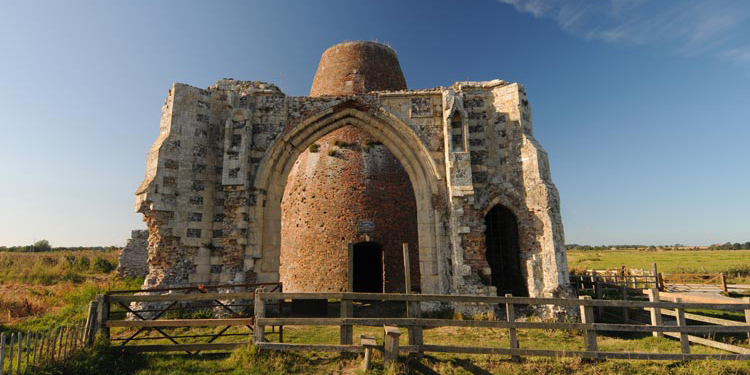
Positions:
{"x": 247, "y": 184}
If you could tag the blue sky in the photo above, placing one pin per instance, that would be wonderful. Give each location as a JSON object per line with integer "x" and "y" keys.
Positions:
{"x": 643, "y": 106}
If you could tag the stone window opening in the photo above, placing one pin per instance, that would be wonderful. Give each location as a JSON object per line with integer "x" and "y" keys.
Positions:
{"x": 458, "y": 137}
{"x": 503, "y": 252}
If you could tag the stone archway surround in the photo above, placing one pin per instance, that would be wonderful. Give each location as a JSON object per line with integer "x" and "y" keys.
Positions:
{"x": 403, "y": 143}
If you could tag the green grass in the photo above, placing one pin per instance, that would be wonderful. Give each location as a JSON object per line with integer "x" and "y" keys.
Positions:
{"x": 732, "y": 262}
{"x": 107, "y": 360}
{"x": 71, "y": 296}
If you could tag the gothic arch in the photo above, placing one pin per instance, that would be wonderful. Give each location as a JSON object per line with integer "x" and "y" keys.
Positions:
{"x": 403, "y": 143}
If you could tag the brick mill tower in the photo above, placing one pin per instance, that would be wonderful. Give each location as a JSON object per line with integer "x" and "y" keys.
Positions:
{"x": 247, "y": 184}
{"x": 348, "y": 189}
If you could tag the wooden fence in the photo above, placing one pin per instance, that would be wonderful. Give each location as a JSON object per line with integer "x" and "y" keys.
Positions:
{"x": 22, "y": 353}
{"x": 415, "y": 324}
{"x": 644, "y": 279}
{"x": 140, "y": 314}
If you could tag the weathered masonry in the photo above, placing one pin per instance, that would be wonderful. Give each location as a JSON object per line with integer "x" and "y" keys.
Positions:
{"x": 247, "y": 184}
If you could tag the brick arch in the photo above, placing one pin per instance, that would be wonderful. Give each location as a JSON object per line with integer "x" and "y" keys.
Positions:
{"x": 400, "y": 140}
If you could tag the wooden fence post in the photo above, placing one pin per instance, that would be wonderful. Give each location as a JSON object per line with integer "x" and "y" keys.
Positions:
{"x": 407, "y": 268}
{"x": 684, "y": 341}
{"x": 103, "y": 316}
{"x": 656, "y": 318}
{"x": 625, "y": 312}
{"x": 724, "y": 287}
{"x": 90, "y": 330}
{"x": 660, "y": 281}
{"x": 413, "y": 308}
{"x": 391, "y": 345}
{"x": 747, "y": 313}
{"x": 510, "y": 314}
{"x": 655, "y": 274}
{"x": 368, "y": 342}
{"x": 28, "y": 349}
{"x": 587, "y": 317}
{"x": 346, "y": 332}
{"x": 599, "y": 294}
{"x": 260, "y": 312}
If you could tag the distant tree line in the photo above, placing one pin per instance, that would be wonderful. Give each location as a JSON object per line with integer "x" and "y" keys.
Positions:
{"x": 731, "y": 246}
{"x": 44, "y": 245}
{"x": 725, "y": 246}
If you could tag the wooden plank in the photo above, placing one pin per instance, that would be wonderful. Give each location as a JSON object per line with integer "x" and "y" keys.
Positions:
{"x": 311, "y": 347}
{"x": 184, "y": 347}
{"x": 702, "y": 318}
{"x": 181, "y": 322}
{"x": 721, "y": 305}
{"x": 405, "y": 322}
{"x": 181, "y": 297}
{"x": 712, "y": 343}
{"x": 584, "y": 354}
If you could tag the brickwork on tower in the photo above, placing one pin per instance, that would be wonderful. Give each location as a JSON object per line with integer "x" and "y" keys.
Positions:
{"x": 228, "y": 159}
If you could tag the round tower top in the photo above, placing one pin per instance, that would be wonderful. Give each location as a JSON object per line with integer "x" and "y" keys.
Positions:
{"x": 351, "y": 68}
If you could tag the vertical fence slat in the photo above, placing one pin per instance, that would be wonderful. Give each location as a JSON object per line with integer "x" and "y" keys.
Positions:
{"x": 65, "y": 342}
{"x": 587, "y": 317}
{"x": 28, "y": 349}
{"x": 510, "y": 316}
{"x": 10, "y": 353}
{"x": 34, "y": 344}
{"x": 684, "y": 341}
{"x": 2, "y": 353}
{"x": 20, "y": 353}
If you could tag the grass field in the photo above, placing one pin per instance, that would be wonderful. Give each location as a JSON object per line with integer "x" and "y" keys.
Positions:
{"x": 735, "y": 263}
{"x": 58, "y": 286}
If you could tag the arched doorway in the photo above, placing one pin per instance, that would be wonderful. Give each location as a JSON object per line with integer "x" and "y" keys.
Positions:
{"x": 367, "y": 267}
{"x": 503, "y": 252}
{"x": 397, "y": 137}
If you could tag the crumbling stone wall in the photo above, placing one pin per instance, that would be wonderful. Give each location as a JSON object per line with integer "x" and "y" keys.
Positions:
{"x": 216, "y": 176}
{"x": 133, "y": 261}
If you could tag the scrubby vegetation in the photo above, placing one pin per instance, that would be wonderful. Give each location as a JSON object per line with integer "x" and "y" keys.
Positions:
{"x": 40, "y": 290}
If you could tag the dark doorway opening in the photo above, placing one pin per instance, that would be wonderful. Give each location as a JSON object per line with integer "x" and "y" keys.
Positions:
{"x": 503, "y": 252}
{"x": 368, "y": 267}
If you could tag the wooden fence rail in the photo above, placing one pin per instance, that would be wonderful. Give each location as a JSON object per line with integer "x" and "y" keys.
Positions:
{"x": 415, "y": 323}
{"x": 22, "y": 353}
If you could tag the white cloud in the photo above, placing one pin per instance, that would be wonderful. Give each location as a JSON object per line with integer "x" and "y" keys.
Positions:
{"x": 685, "y": 27}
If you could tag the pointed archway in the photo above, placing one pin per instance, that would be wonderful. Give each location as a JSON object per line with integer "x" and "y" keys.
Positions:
{"x": 395, "y": 135}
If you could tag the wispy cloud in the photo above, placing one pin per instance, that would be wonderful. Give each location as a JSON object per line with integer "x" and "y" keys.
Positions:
{"x": 718, "y": 27}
